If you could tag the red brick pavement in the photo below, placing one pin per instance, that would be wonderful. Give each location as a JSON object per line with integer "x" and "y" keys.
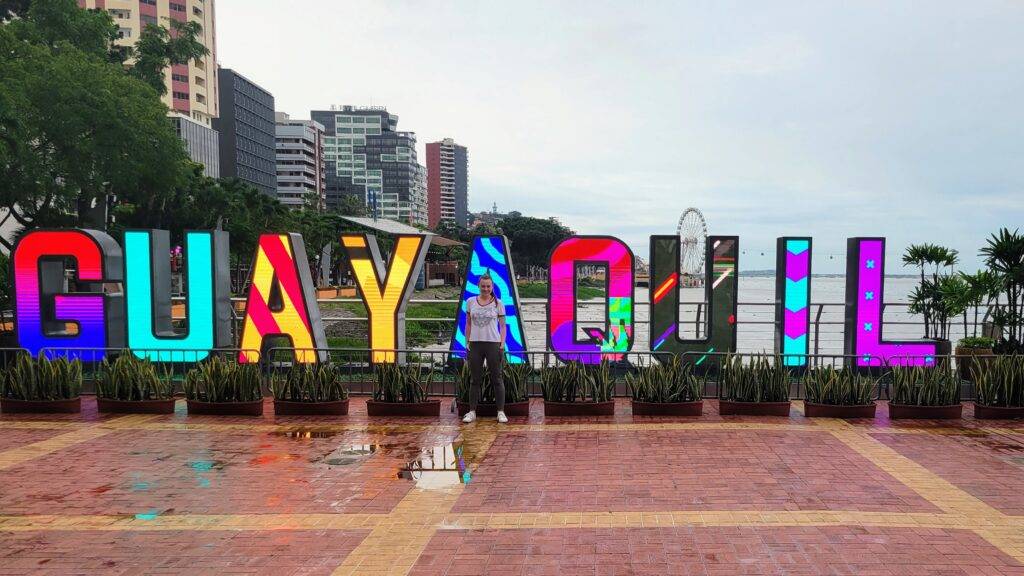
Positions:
{"x": 989, "y": 466}
{"x": 269, "y": 553}
{"x": 681, "y": 470}
{"x": 861, "y": 551}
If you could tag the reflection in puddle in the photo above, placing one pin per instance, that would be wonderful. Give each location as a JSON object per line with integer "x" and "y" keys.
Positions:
{"x": 348, "y": 455}
{"x": 305, "y": 433}
{"x": 437, "y": 467}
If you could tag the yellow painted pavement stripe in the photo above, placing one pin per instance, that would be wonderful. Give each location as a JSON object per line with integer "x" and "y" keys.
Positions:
{"x": 21, "y": 454}
{"x": 918, "y": 478}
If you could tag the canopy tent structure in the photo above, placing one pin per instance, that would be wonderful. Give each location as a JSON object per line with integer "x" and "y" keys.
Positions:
{"x": 440, "y": 264}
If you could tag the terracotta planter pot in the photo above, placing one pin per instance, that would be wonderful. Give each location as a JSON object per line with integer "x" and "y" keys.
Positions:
{"x": 668, "y": 408}
{"x": 812, "y": 410}
{"x": 486, "y": 410}
{"x": 289, "y": 408}
{"x": 254, "y": 408}
{"x": 997, "y": 412}
{"x": 579, "y": 408}
{"x": 926, "y": 412}
{"x": 728, "y": 407}
{"x": 965, "y": 362}
{"x": 428, "y": 408}
{"x": 69, "y": 406}
{"x": 109, "y": 405}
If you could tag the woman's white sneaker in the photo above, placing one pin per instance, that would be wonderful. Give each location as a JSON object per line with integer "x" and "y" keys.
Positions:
{"x": 502, "y": 418}
{"x": 469, "y": 417}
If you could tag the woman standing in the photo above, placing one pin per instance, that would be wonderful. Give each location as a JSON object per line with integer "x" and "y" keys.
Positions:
{"x": 485, "y": 337}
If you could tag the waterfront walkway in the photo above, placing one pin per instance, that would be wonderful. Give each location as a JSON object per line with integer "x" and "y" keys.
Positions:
{"x": 544, "y": 496}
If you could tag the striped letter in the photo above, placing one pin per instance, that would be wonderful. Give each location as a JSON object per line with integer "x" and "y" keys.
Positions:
{"x": 46, "y": 316}
{"x": 792, "y": 299}
{"x": 491, "y": 256}
{"x": 281, "y": 263}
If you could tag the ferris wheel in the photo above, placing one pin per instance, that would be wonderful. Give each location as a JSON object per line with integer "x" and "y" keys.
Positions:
{"x": 693, "y": 236}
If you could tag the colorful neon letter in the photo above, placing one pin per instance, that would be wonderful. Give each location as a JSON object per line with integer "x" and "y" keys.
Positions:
{"x": 281, "y": 260}
{"x": 865, "y": 275}
{"x": 720, "y": 264}
{"x": 147, "y": 272}
{"x": 43, "y": 311}
{"x": 491, "y": 256}
{"x": 792, "y": 299}
{"x": 616, "y": 337}
{"x": 386, "y": 289}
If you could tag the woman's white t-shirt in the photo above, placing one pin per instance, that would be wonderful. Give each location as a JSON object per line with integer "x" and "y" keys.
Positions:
{"x": 484, "y": 319}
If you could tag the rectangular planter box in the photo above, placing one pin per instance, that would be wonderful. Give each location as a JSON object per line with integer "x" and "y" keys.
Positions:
{"x": 812, "y": 410}
{"x": 254, "y": 408}
{"x": 289, "y": 408}
{"x": 899, "y": 411}
{"x": 429, "y": 408}
{"x": 488, "y": 410}
{"x": 983, "y": 412}
{"x": 668, "y": 408}
{"x": 729, "y": 407}
{"x": 68, "y": 406}
{"x": 111, "y": 406}
{"x": 579, "y": 408}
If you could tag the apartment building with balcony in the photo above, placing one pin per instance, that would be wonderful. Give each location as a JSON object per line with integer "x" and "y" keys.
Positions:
{"x": 447, "y": 183}
{"x": 301, "y": 179}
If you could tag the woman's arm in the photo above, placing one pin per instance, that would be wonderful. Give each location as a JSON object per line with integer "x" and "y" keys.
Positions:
{"x": 501, "y": 322}
{"x": 469, "y": 321}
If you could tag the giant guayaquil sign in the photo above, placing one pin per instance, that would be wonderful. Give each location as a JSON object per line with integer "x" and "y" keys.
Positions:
{"x": 281, "y": 300}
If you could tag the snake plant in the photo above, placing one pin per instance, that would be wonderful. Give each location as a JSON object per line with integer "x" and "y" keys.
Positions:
{"x": 219, "y": 380}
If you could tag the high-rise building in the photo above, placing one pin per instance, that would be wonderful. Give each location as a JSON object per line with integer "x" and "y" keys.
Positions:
{"x": 247, "y": 132}
{"x": 192, "y": 88}
{"x": 447, "y": 183}
{"x": 200, "y": 142}
{"x": 300, "y": 162}
{"x": 367, "y": 157}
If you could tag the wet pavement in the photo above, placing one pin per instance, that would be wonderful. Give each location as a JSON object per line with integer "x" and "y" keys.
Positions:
{"x": 181, "y": 494}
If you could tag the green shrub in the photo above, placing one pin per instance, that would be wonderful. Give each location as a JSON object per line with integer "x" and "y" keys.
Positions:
{"x": 515, "y": 377}
{"x": 920, "y": 386}
{"x": 577, "y": 382}
{"x": 130, "y": 378}
{"x": 673, "y": 381}
{"x": 759, "y": 381}
{"x": 313, "y": 382}
{"x": 976, "y": 342}
{"x": 843, "y": 387}
{"x": 219, "y": 380}
{"x": 1000, "y": 381}
{"x": 40, "y": 379}
{"x": 398, "y": 383}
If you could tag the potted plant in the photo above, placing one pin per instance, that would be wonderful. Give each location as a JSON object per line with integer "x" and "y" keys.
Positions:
{"x": 760, "y": 388}
{"x": 131, "y": 385}
{"x": 919, "y": 392}
{"x": 224, "y": 387}
{"x": 669, "y": 389}
{"x": 966, "y": 351}
{"x": 401, "y": 390}
{"x": 1000, "y": 388}
{"x": 576, "y": 389}
{"x": 842, "y": 393}
{"x": 515, "y": 378}
{"x": 42, "y": 385}
{"x": 310, "y": 390}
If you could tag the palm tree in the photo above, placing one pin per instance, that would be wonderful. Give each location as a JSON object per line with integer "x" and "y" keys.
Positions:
{"x": 921, "y": 255}
{"x": 1004, "y": 255}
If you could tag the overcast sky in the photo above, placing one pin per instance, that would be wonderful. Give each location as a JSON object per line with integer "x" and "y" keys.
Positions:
{"x": 900, "y": 119}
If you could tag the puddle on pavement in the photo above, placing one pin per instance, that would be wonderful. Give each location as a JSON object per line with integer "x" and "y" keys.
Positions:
{"x": 305, "y": 433}
{"x": 437, "y": 467}
{"x": 348, "y": 455}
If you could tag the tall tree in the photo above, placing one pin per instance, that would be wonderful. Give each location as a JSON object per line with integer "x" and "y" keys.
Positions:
{"x": 533, "y": 239}
{"x": 159, "y": 48}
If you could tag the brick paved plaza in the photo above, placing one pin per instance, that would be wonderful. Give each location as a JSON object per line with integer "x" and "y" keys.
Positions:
{"x": 549, "y": 496}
